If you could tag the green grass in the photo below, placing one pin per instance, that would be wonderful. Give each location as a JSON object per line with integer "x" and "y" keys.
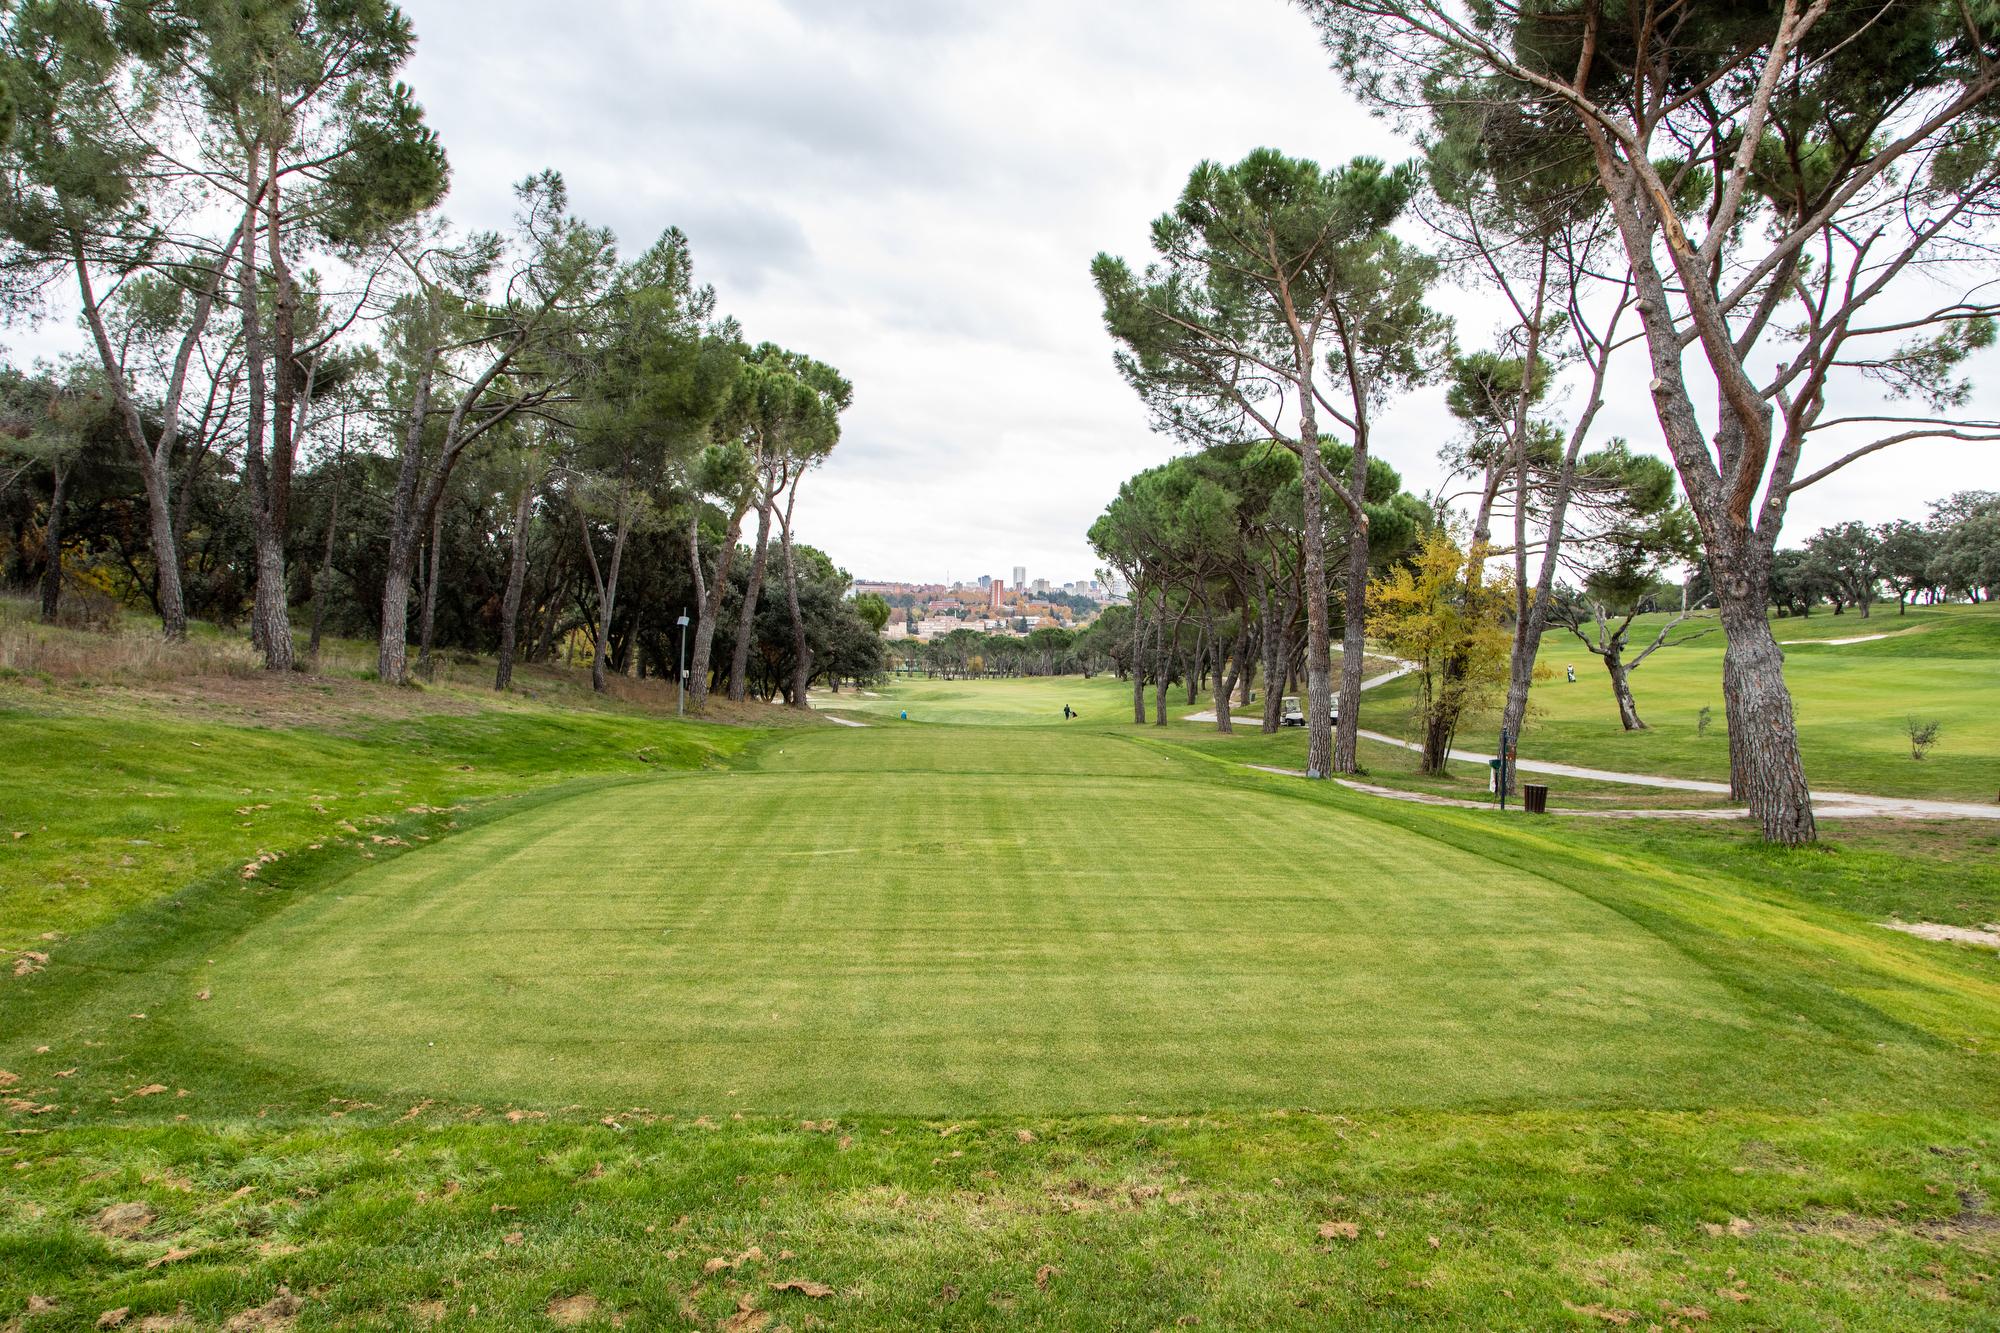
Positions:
{"x": 982, "y": 1026}
{"x": 1029, "y": 701}
{"x": 1853, "y": 704}
{"x": 950, "y": 937}
{"x": 107, "y": 800}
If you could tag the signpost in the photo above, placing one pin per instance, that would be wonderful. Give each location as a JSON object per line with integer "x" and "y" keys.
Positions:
{"x": 681, "y": 705}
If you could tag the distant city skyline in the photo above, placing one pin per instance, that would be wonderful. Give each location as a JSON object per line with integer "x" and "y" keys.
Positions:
{"x": 1023, "y": 578}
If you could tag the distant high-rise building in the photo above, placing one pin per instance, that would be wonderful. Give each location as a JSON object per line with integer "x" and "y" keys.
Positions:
{"x": 1041, "y": 585}
{"x": 1020, "y": 578}
{"x": 985, "y": 580}
{"x": 997, "y": 592}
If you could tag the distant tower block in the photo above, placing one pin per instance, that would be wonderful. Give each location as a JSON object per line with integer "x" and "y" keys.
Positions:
{"x": 997, "y": 593}
{"x": 1020, "y": 578}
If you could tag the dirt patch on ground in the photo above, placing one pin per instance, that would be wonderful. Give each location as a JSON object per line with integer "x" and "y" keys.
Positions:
{"x": 278, "y": 1312}
{"x": 1931, "y": 930}
{"x": 1973, "y": 1224}
{"x": 123, "y": 1220}
{"x": 569, "y": 1311}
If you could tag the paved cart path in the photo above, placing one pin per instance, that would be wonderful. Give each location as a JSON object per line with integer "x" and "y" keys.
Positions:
{"x": 1830, "y": 804}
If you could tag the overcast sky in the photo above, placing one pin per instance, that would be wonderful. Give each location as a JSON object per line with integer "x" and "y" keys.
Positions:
{"x": 912, "y": 190}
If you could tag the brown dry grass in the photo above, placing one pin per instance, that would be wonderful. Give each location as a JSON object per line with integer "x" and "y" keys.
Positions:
{"x": 126, "y": 652}
{"x": 219, "y": 676}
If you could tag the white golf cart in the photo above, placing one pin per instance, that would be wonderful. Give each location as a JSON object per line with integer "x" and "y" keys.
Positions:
{"x": 1292, "y": 712}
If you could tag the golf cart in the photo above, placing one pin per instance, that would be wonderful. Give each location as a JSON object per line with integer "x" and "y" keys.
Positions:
{"x": 1293, "y": 714}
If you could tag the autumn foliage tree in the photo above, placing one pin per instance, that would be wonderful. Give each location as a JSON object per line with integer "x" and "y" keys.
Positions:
{"x": 1435, "y": 611}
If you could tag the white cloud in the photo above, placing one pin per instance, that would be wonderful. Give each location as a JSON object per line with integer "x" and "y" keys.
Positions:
{"x": 912, "y": 190}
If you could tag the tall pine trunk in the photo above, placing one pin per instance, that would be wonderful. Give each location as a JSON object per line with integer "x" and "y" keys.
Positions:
{"x": 746, "y": 614}
{"x": 606, "y": 580}
{"x": 517, "y": 581}
{"x": 1138, "y": 660}
{"x": 801, "y": 651}
{"x": 1319, "y": 650}
{"x": 1765, "y": 770}
{"x": 427, "y": 617}
{"x": 52, "y": 571}
{"x": 1353, "y": 654}
{"x": 709, "y": 598}
{"x": 325, "y": 574}
{"x": 392, "y": 643}
{"x": 269, "y": 364}
{"x": 166, "y": 551}
{"x": 1225, "y": 685}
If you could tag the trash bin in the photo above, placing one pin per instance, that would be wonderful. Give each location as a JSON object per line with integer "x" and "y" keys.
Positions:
{"x": 1535, "y": 798}
{"x": 1493, "y": 776}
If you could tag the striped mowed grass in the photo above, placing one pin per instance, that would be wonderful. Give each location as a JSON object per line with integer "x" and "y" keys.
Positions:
{"x": 957, "y": 919}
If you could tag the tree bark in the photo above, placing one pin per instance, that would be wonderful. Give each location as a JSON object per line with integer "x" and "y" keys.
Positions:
{"x": 1765, "y": 768}
{"x": 1353, "y": 653}
{"x": 517, "y": 582}
{"x": 801, "y": 652}
{"x": 1273, "y": 669}
{"x": 607, "y": 590}
{"x": 746, "y": 614}
{"x": 392, "y": 644}
{"x": 1621, "y": 688}
{"x": 1225, "y": 686}
{"x": 1138, "y": 660}
{"x": 52, "y": 571}
{"x": 709, "y": 600}
{"x": 427, "y": 616}
{"x": 166, "y": 551}
{"x": 155, "y": 458}
{"x": 1161, "y": 664}
{"x": 1319, "y": 650}
{"x": 268, "y": 473}
{"x": 325, "y": 575}
{"x": 1440, "y": 726}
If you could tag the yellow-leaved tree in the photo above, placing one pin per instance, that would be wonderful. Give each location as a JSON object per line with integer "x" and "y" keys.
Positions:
{"x": 1441, "y": 613}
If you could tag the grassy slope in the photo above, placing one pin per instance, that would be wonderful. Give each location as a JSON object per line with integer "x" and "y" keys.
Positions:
{"x": 118, "y": 799}
{"x": 1835, "y": 1050}
{"x": 1853, "y": 703}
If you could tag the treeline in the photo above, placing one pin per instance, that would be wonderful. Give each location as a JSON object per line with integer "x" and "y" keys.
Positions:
{"x": 1050, "y": 650}
{"x": 1953, "y": 553}
{"x": 1748, "y": 198}
{"x": 309, "y": 395}
{"x": 1216, "y": 549}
